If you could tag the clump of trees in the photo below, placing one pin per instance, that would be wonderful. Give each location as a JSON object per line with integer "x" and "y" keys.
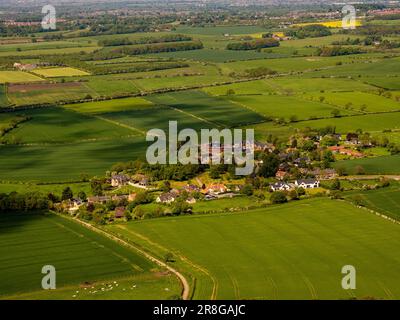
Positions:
{"x": 161, "y": 47}
{"x": 309, "y": 31}
{"x": 145, "y": 40}
{"x": 254, "y": 44}
{"x": 24, "y": 202}
{"x": 338, "y": 51}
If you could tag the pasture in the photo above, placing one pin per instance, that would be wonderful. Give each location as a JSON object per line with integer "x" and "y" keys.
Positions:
{"x": 17, "y": 76}
{"x": 67, "y": 161}
{"x": 60, "y": 72}
{"x": 30, "y": 241}
{"x": 385, "y": 200}
{"x": 50, "y": 125}
{"x": 110, "y": 105}
{"x": 39, "y": 93}
{"x": 292, "y": 251}
{"x": 357, "y": 101}
{"x": 377, "y": 165}
{"x": 3, "y": 96}
{"x": 277, "y": 106}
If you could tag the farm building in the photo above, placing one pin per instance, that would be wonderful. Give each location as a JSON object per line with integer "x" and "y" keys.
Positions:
{"x": 216, "y": 188}
{"x": 167, "y": 197}
{"x": 119, "y": 180}
{"x": 119, "y": 212}
{"x": 281, "y": 186}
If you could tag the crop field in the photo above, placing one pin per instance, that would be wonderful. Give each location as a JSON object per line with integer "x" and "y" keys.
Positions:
{"x": 377, "y": 165}
{"x": 44, "y": 52}
{"x": 61, "y": 125}
{"x": 156, "y": 118}
{"x": 389, "y": 83}
{"x": 357, "y": 101}
{"x": 249, "y": 88}
{"x": 302, "y": 85}
{"x": 284, "y": 106}
{"x": 281, "y": 252}
{"x": 17, "y": 47}
{"x": 110, "y": 87}
{"x": 368, "y": 122}
{"x": 211, "y": 109}
{"x": 220, "y": 30}
{"x": 110, "y": 105}
{"x": 17, "y": 76}
{"x": 329, "y": 24}
{"x": 67, "y": 161}
{"x": 29, "y": 242}
{"x": 38, "y": 93}
{"x": 60, "y": 72}
{"x": 385, "y": 200}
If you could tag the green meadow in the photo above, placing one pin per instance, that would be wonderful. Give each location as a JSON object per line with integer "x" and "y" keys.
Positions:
{"x": 281, "y": 252}
{"x": 377, "y": 165}
{"x": 31, "y": 241}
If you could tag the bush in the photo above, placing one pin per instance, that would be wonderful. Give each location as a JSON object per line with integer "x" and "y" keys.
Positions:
{"x": 278, "y": 197}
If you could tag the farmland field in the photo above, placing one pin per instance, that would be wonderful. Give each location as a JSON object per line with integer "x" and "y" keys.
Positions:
{"x": 385, "y": 200}
{"x": 212, "y": 109}
{"x": 3, "y": 96}
{"x": 61, "y": 125}
{"x": 378, "y": 165}
{"x": 284, "y": 106}
{"x": 282, "y": 252}
{"x": 17, "y": 76}
{"x": 30, "y": 241}
{"x": 38, "y": 93}
{"x": 60, "y": 72}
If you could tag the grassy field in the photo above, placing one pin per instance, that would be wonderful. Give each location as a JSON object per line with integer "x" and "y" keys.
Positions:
{"x": 281, "y": 252}
{"x": 17, "y": 76}
{"x": 357, "y": 101}
{"x": 45, "y": 188}
{"x": 38, "y": 93}
{"x": 285, "y": 106}
{"x": 110, "y": 105}
{"x": 61, "y": 125}
{"x": 386, "y": 200}
{"x": 28, "y": 242}
{"x": 60, "y": 72}
{"x": 378, "y": 165}
{"x": 67, "y": 161}
{"x": 212, "y": 109}
{"x": 249, "y": 87}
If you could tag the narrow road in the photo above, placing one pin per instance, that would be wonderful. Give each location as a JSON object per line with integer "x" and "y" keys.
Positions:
{"x": 182, "y": 279}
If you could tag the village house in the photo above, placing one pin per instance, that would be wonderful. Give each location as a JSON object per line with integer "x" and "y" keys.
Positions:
{"x": 281, "y": 186}
{"x": 191, "y": 200}
{"x": 189, "y": 188}
{"x": 167, "y": 197}
{"x": 321, "y": 174}
{"x": 73, "y": 205}
{"x": 99, "y": 199}
{"x": 280, "y": 175}
{"x": 345, "y": 151}
{"x": 118, "y": 180}
{"x": 352, "y": 138}
{"x": 217, "y": 188}
{"x": 119, "y": 212}
{"x": 307, "y": 183}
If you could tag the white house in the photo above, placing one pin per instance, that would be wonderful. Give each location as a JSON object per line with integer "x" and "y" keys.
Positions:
{"x": 281, "y": 186}
{"x": 307, "y": 183}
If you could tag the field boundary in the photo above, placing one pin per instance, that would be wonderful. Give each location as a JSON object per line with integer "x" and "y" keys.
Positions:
{"x": 180, "y": 276}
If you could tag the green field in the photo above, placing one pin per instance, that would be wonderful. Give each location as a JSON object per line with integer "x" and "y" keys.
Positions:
{"x": 30, "y": 241}
{"x": 61, "y": 125}
{"x": 357, "y": 100}
{"x": 60, "y": 72}
{"x": 248, "y": 87}
{"x": 378, "y": 165}
{"x": 211, "y": 109}
{"x": 285, "y": 106}
{"x": 282, "y": 252}
{"x": 385, "y": 200}
{"x": 17, "y": 76}
{"x": 110, "y": 105}
{"x": 67, "y": 161}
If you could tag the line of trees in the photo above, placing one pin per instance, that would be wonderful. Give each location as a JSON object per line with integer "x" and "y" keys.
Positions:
{"x": 253, "y": 45}
{"x": 24, "y": 202}
{"x": 161, "y": 47}
{"x": 338, "y": 51}
{"x": 309, "y": 31}
{"x": 145, "y": 40}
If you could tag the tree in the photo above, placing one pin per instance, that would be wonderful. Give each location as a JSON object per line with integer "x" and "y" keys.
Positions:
{"x": 336, "y": 185}
{"x": 293, "y": 195}
{"x": 82, "y": 195}
{"x": 269, "y": 166}
{"x": 165, "y": 186}
{"x": 97, "y": 187}
{"x": 335, "y": 113}
{"x": 67, "y": 194}
{"x": 230, "y": 92}
{"x": 169, "y": 257}
{"x": 278, "y": 197}
{"x": 247, "y": 190}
